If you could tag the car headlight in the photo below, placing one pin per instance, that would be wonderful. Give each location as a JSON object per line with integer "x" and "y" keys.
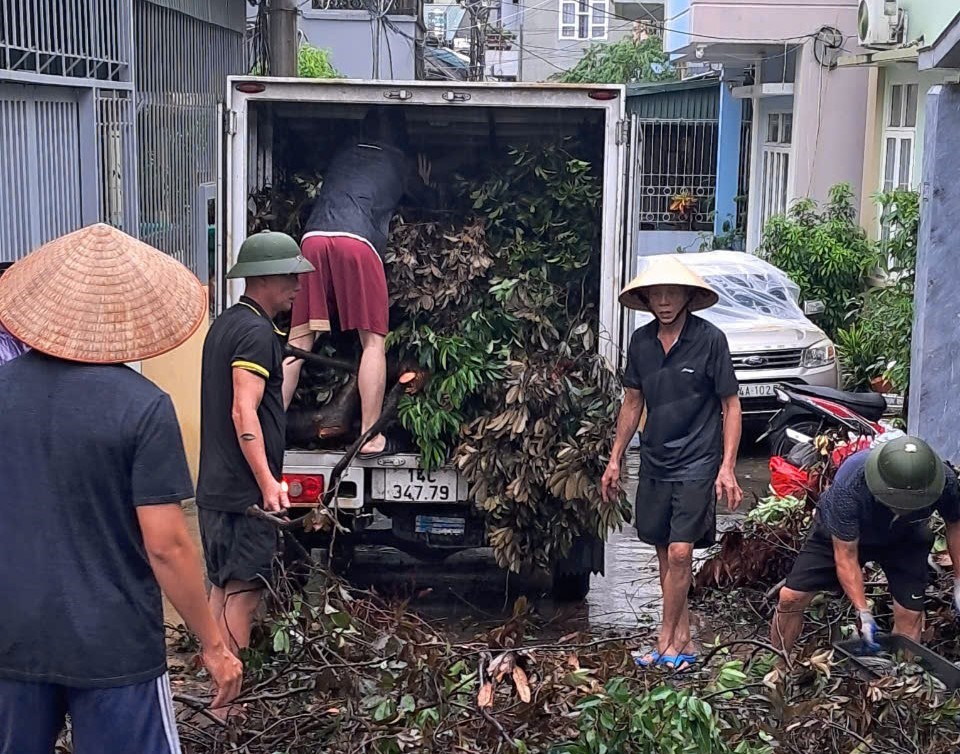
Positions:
{"x": 820, "y": 354}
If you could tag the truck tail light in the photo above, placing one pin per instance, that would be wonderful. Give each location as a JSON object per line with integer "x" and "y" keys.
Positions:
{"x": 604, "y": 95}
{"x": 304, "y": 489}
{"x": 250, "y": 87}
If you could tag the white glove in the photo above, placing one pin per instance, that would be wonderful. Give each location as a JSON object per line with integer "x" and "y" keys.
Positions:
{"x": 868, "y": 629}
{"x": 956, "y": 595}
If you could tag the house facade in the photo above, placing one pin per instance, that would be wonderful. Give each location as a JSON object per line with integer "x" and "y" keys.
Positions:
{"x": 554, "y": 34}
{"x": 893, "y": 154}
{"x": 109, "y": 114}
{"x": 805, "y": 115}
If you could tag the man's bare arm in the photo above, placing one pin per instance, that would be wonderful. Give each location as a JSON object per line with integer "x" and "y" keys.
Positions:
{"x": 247, "y": 393}
{"x": 732, "y": 428}
{"x": 176, "y": 566}
{"x": 627, "y": 422}
{"x": 849, "y": 572}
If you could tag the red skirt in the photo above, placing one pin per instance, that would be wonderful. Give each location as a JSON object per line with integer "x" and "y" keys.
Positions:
{"x": 349, "y": 281}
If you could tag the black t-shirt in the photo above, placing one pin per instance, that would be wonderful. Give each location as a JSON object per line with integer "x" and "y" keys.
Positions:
{"x": 850, "y": 512}
{"x": 361, "y": 190}
{"x": 242, "y": 337}
{"x": 683, "y": 436}
{"x": 83, "y": 446}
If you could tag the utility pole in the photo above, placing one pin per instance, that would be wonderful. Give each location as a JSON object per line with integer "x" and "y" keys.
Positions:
{"x": 282, "y": 17}
{"x": 479, "y": 12}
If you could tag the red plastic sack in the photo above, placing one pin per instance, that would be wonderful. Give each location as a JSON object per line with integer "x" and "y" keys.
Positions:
{"x": 787, "y": 480}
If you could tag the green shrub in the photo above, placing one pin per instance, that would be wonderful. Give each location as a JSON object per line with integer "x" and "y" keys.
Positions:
{"x": 877, "y": 342}
{"x": 825, "y": 252}
{"x": 314, "y": 63}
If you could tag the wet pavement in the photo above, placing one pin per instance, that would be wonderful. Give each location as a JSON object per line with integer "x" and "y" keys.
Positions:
{"x": 468, "y": 588}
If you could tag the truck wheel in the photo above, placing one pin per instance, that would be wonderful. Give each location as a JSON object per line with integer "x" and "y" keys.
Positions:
{"x": 570, "y": 587}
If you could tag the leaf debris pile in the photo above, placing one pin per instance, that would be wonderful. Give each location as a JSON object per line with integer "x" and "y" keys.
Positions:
{"x": 345, "y": 673}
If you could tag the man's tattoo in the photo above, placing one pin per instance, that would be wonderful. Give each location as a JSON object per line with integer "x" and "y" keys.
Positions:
{"x": 248, "y": 437}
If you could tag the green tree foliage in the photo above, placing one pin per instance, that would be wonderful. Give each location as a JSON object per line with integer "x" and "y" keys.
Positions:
{"x": 623, "y": 62}
{"x": 825, "y": 252}
{"x": 877, "y": 342}
{"x": 314, "y": 63}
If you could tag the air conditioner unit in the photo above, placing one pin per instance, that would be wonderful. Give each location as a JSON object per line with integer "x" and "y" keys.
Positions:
{"x": 880, "y": 23}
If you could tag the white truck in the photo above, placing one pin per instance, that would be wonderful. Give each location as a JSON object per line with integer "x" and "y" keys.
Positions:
{"x": 391, "y": 500}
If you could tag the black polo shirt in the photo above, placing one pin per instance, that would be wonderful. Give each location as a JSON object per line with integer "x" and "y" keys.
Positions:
{"x": 243, "y": 337}
{"x": 683, "y": 436}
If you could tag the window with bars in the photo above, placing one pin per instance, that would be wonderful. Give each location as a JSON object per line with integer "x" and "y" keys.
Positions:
{"x": 584, "y": 19}
{"x": 899, "y": 134}
{"x": 775, "y": 166}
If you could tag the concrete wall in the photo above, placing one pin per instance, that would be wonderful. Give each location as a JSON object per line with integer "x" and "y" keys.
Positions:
{"x": 934, "y": 376}
{"x": 829, "y": 117}
{"x": 349, "y": 36}
{"x": 178, "y": 373}
{"x": 544, "y": 53}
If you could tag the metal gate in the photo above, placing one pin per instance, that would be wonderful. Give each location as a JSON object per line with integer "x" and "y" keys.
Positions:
{"x": 40, "y": 166}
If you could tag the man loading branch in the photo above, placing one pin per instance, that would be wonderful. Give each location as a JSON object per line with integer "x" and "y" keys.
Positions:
{"x": 345, "y": 239}
{"x": 242, "y": 427}
{"x": 679, "y": 365}
{"x": 878, "y": 510}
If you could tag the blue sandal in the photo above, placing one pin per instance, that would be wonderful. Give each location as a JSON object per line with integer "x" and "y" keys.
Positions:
{"x": 654, "y": 660}
{"x": 675, "y": 662}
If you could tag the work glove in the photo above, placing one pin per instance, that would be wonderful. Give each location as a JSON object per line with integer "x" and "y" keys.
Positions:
{"x": 868, "y": 630}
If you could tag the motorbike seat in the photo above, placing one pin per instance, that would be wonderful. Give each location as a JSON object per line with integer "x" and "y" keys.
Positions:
{"x": 871, "y": 406}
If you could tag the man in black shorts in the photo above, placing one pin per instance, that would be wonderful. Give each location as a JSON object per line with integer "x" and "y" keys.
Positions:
{"x": 876, "y": 510}
{"x": 242, "y": 427}
{"x": 679, "y": 366}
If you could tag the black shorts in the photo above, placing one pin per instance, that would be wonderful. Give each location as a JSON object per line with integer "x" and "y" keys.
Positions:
{"x": 905, "y": 566}
{"x": 676, "y": 512}
{"x": 237, "y": 547}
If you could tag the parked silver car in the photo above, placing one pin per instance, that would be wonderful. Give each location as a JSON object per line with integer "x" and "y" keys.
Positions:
{"x": 771, "y": 339}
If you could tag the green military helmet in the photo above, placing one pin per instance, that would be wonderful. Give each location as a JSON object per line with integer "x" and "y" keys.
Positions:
{"x": 905, "y": 474}
{"x": 269, "y": 253}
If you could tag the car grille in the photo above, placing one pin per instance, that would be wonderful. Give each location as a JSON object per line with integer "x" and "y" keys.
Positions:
{"x": 787, "y": 359}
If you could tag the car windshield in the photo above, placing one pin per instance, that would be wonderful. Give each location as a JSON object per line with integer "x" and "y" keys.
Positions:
{"x": 750, "y": 290}
{"x": 753, "y": 296}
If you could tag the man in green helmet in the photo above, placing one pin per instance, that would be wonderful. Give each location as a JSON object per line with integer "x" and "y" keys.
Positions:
{"x": 877, "y": 510}
{"x": 242, "y": 427}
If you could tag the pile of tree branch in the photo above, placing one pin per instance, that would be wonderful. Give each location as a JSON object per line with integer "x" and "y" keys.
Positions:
{"x": 345, "y": 673}
{"x": 498, "y": 303}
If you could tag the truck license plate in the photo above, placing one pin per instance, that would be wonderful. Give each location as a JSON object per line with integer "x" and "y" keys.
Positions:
{"x": 439, "y": 525}
{"x": 418, "y": 486}
{"x": 757, "y": 391}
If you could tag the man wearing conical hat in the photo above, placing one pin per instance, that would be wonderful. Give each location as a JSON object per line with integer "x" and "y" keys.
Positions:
{"x": 242, "y": 431}
{"x": 679, "y": 368}
{"x": 92, "y": 475}
{"x": 877, "y": 510}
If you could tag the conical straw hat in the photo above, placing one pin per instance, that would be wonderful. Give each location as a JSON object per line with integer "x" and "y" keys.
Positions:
{"x": 100, "y": 296}
{"x": 666, "y": 269}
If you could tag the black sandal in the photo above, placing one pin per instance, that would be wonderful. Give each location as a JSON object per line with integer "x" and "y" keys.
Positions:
{"x": 389, "y": 449}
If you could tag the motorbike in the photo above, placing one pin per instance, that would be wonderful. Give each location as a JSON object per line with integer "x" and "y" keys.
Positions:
{"x": 844, "y": 422}
{"x": 809, "y": 412}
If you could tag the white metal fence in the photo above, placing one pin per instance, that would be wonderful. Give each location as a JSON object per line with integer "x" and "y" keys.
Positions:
{"x": 82, "y": 141}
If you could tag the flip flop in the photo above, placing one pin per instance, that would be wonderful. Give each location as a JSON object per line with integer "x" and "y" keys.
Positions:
{"x": 678, "y": 663}
{"x": 654, "y": 660}
{"x": 389, "y": 449}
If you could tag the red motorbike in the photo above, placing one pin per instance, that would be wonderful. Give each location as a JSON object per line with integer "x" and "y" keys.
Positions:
{"x": 849, "y": 422}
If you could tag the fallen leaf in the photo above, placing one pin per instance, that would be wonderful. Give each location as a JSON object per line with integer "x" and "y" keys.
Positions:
{"x": 523, "y": 685}
{"x": 485, "y": 697}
